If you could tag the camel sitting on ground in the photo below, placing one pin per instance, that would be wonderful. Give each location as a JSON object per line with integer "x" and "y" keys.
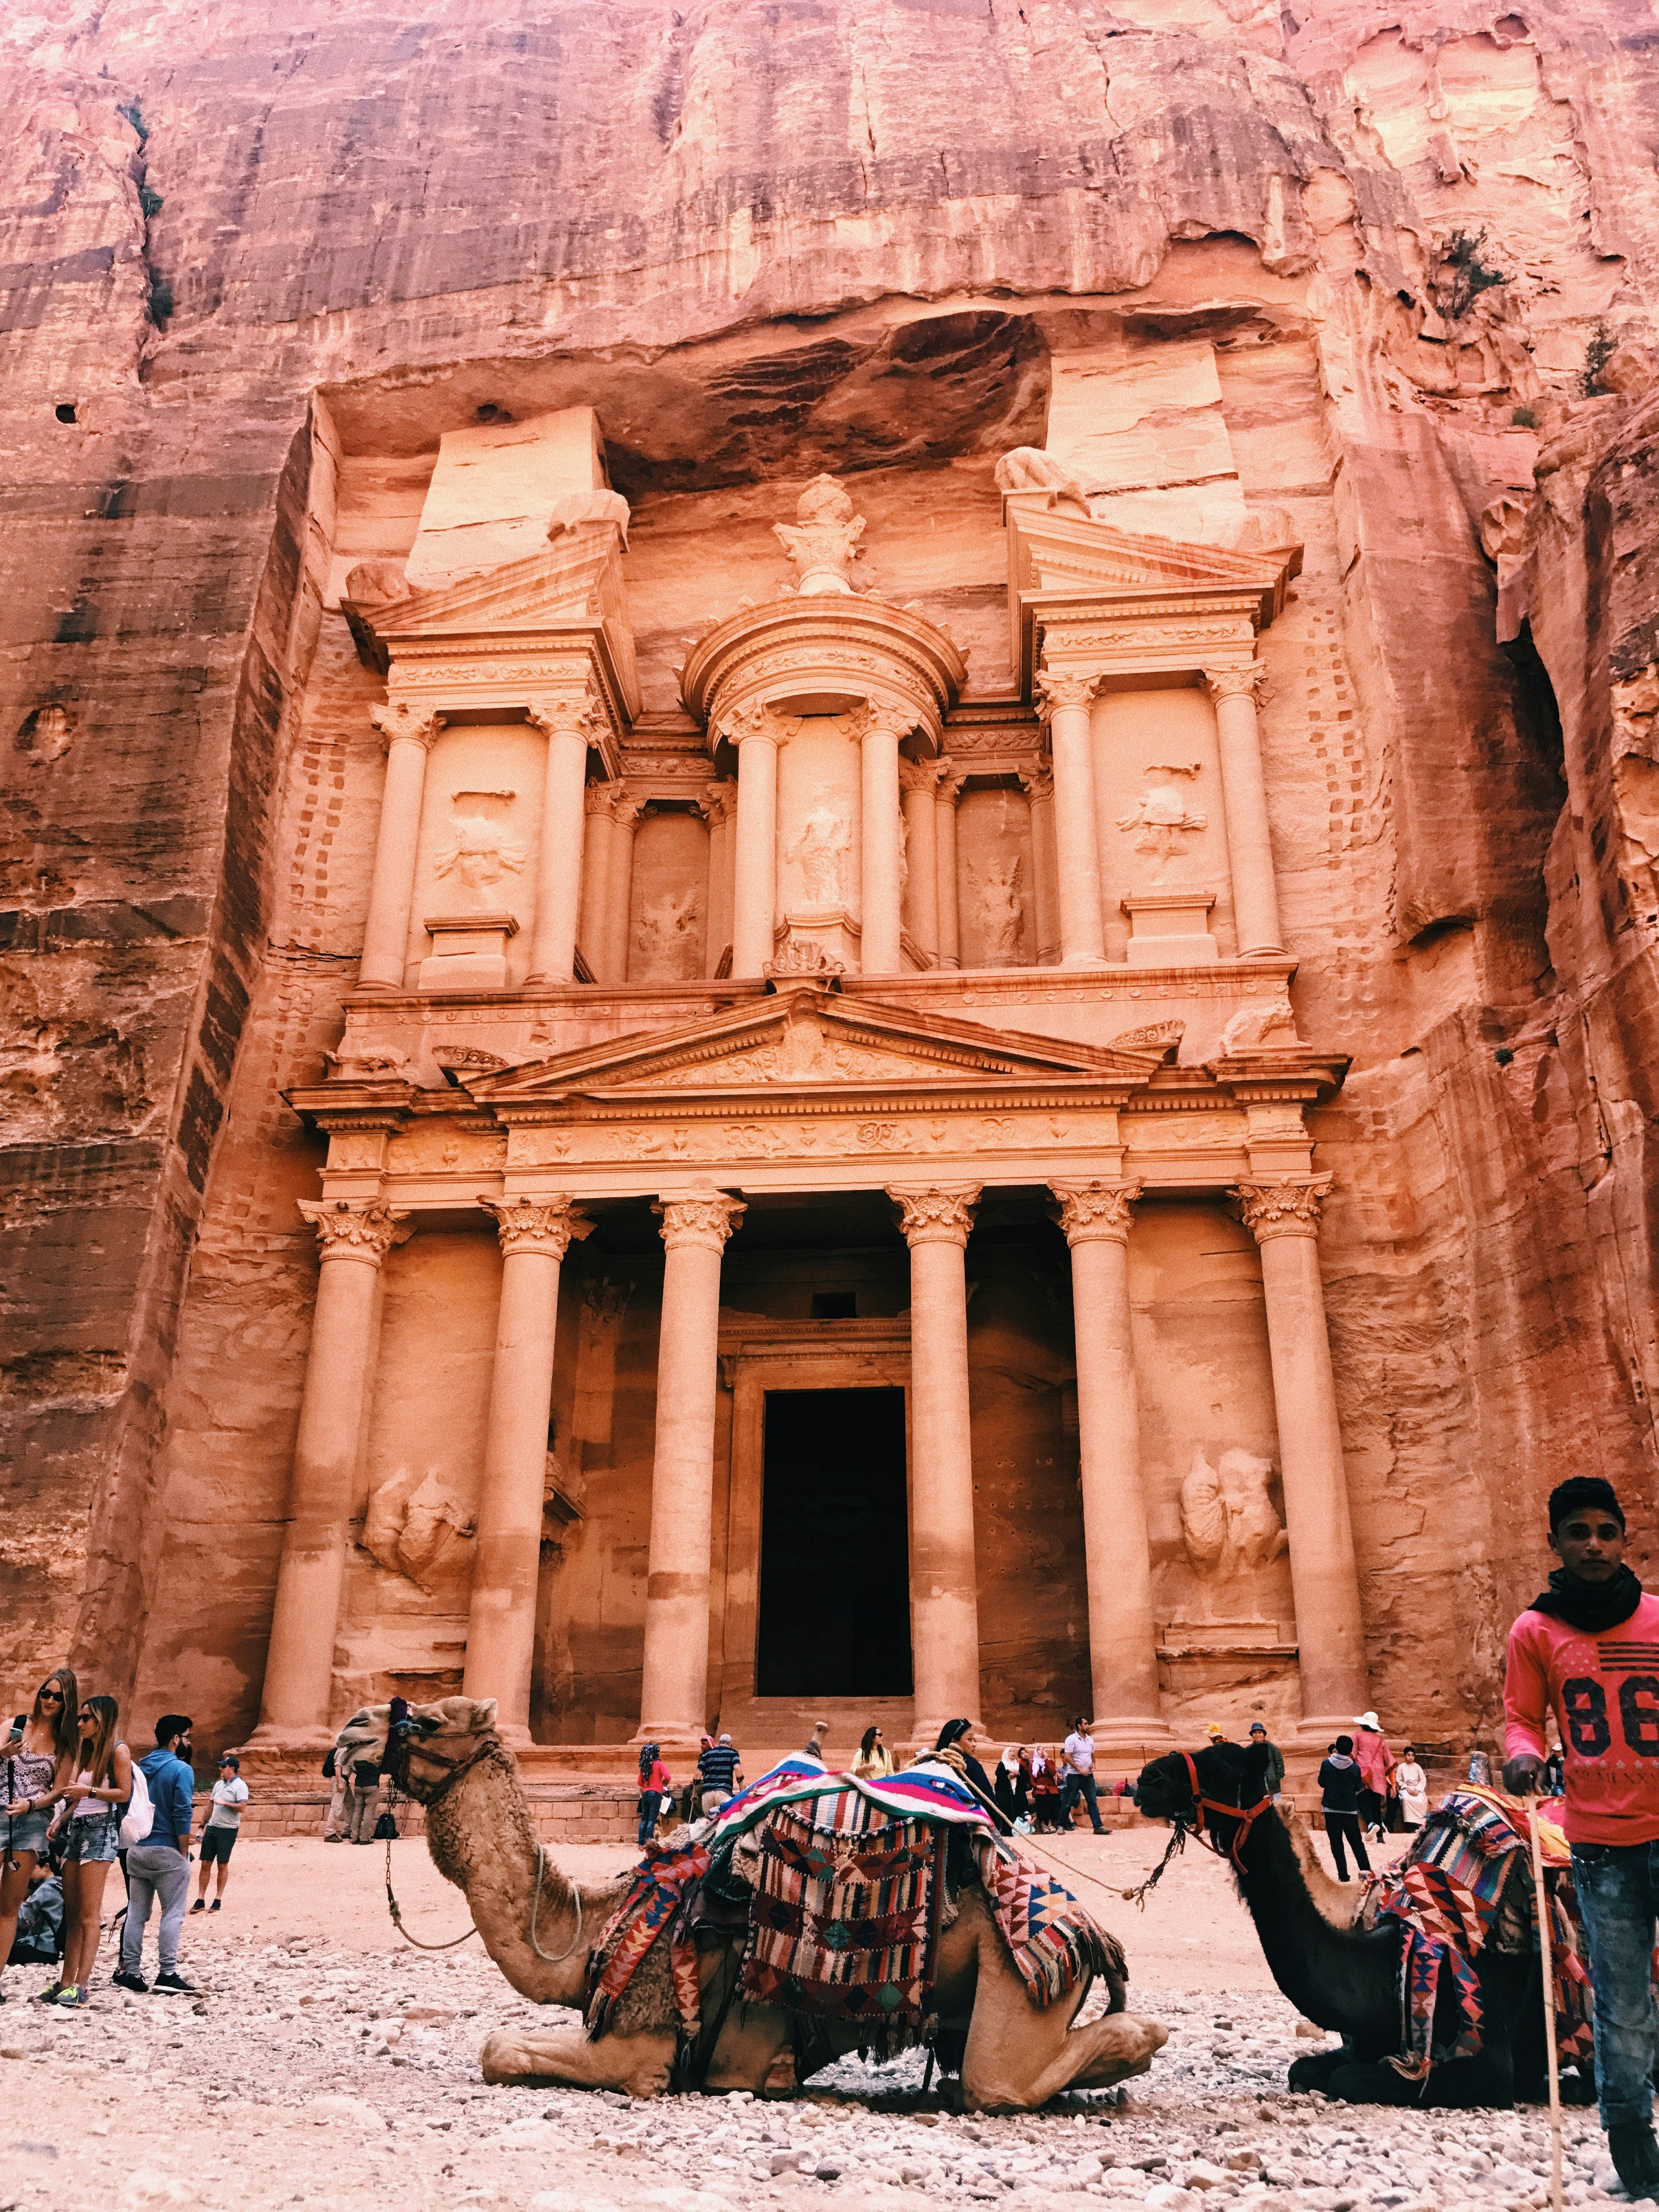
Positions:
{"x": 541, "y": 1929}
{"x": 1344, "y": 1976}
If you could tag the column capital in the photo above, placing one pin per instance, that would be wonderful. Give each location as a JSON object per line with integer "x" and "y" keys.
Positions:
{"x": 603, "y": 798}
{"x": 1037, "y": 783}
{"x": 719, "y": 802}
{"x": 919, "y": 775}
{"x": 407, "y": 718}
{"x": 706, "y": 1217}
{"x": 941, "y": 1213}
{"x": 1250, "y": 681}
{"x": 875, "y": 719}
{"x": 1281, "y": 1209}
{"x": 549, "y": 1224}
{"x": 1057, "y": 690}
{"x": 1095, "y": 1212}
{"x": 557, "y": 715}
{"x": 350, "y": 1229}
{"x": 756, "y": 723}
{"x": 951, "y": 779}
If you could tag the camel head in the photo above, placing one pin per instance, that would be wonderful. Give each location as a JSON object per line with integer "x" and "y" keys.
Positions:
{"x": 1228, "y": 1774}
{"x": 438, "y": 1740}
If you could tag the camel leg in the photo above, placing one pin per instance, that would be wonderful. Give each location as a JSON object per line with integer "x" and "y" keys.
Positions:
{"x": 637, "y": 2064}
{"x": 753, "y": 2043}
{"x": 1018, "y": 2058}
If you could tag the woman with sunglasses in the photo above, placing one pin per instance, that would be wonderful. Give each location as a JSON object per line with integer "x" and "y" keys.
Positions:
{"x": 102, "y": 1786}
{"x": 34, "y": 1767}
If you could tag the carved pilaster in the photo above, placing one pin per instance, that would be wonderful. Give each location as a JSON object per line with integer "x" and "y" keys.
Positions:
{"x": 708, "y": 1220}
{"x": 404, "y": 718}
{"x": 940, "y": 1214}
{"x": 350, "y": 1229}
{"x": 549, "y": 1224}
{"x": 1095, "y": 1212}
{"x": 1280, "y": 1209}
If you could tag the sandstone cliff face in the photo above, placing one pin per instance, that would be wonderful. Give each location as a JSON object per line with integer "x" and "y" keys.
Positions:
{"x": 257, "y": 259}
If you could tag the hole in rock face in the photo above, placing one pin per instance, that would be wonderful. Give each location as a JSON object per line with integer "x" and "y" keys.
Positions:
{"x": 490, "y": 412}
{"x": 65, "y": 410}
{"x": 835, "y": 1306}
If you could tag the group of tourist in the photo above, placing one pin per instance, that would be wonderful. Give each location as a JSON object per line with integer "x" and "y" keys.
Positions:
{"x": 76, "y": 1802}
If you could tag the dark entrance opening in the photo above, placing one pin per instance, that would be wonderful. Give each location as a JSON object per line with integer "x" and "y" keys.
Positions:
{"x": 834, "y": 1580}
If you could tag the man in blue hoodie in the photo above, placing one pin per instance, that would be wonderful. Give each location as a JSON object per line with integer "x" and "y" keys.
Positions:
{"x": 159, "y": 1865}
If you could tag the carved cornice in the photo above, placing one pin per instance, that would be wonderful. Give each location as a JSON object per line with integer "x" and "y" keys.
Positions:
{"x": 403, "y": 717}
{"x": 707, "y": 1219}
{"x": 1059, "y": 691}
{"x": 1247, "y": 683}
{"x": 938, "y": 1214}
{"x": 1095, "y": 1212}
{"x": 1280, "y": 1209}
{"x": 351, "y": 1229}
{"x": 547, "y": 1224}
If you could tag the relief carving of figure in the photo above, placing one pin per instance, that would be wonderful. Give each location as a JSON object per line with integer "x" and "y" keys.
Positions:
{"x": 1162, "y": 817}
{"x": 477, "y": 851}
{"x": 1001, "y": 907}
{"x": 1256, "y": 1029}
{"x": 823, "y": 540}
{"x": 1227, "y": 1517}
{"x": 668, "y": 935}
{"x": 414, "y": 1525}
{"x": 820, "y": 853}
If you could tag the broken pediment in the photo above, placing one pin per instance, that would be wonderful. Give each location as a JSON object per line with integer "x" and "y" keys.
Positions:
{"x": 806, "y": 1036}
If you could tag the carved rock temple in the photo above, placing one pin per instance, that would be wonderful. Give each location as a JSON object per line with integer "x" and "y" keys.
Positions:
{"x": 814, "y": 913}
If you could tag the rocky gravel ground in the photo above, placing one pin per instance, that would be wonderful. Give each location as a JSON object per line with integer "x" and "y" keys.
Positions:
{"x": 312, "y": 2069}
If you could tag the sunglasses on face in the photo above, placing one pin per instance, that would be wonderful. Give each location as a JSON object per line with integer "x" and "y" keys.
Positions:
{"x": 57, "y": 1697}
{"x": 88, "y": 1717}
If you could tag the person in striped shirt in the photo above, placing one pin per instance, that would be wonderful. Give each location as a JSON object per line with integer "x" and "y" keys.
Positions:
{"x": 720, "y": 1767}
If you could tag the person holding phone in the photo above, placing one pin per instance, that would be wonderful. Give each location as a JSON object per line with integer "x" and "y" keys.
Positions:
{"x": 35, "y": 1766}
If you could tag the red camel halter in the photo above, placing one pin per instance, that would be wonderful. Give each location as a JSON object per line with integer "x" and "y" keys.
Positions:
{"x": 1246, "y": 1819}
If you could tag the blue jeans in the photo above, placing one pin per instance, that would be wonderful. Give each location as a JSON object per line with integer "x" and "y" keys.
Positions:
{"x": 650, "y": 1806}
{"x": 1081, "y": 1785}
{"x": 1618, "y": 1886}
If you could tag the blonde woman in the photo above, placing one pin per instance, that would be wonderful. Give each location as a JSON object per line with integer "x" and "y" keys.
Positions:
{"x": 34, "y": 1766}
{"x": 102, "y": 1786}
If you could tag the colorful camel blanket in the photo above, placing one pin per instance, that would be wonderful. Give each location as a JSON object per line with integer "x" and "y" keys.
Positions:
{"x": 1053, "y": 1941}
{"x": 850, "y": 1801}
{"x": 845, "y": 1923}
{"x": 661, "y": 1885}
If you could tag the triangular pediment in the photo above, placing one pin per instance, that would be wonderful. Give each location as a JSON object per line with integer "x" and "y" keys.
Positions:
{"x": 809, "y": 1038}
{"x": 1062, "y": 553}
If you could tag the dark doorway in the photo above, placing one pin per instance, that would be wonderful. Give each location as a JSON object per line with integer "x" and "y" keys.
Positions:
{"x": 835, "y": 1581}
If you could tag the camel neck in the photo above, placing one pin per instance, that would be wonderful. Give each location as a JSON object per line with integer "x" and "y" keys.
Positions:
{"x": 1342, "y": 1978}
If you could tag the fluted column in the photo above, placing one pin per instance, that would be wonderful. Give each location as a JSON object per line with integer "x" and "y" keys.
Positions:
{"x": 1064, "y": 704}
{"x": 619, "y": 892}
{"x": 718, "y": 807}
{"x": 500, "y": 1626}
{"x": 674, "y": 1687}
{"x": 919, "y": 780}
{"x": 944, "y": 1571}
{"x": 408, "y": 733}
{"x": 1244, "y": 795}
{"x": 1039, "y": 787}
{"x": 1117, "y": 1556}
{"x": 756, "y": 736}
{"x": 878, "y": 841}
{"x": 949, "y": 921}
{"x": 600, "y": 802}
{"x": 355, "y": 1237}
{"x": 1283, "y": 1218}
{"x": 568, "y": 726}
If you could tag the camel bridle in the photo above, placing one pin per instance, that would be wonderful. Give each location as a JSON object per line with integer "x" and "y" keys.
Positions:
{"x": 1247, "y": 1817}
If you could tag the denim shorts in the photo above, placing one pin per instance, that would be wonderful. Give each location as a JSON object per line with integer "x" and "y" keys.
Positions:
{"x": 94, "y": 1837}
{"x": 23, "y": 1832}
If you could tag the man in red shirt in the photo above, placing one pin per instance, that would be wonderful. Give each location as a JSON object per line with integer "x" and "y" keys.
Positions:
{"x": 1589, "y": 1649}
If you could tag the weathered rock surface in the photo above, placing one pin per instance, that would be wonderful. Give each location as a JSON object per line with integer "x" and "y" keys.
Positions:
{"x": 256, "y": 260}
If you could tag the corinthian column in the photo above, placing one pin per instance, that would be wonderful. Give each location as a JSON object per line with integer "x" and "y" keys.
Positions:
{"x": 408, "y": 733}
{"x": 756, "y": 736}
{"x": 878, "y": 840}
{"x": 1065, "y": 703}
{"x": 355, "y": 1239}
{"x": 717, "y": 807}
{"x": 501, "y": 1625}
{"x": 943, "y": 1572}
{"x": 1039, "y": 787}
{"x": 567, "y": 724}
{"x": 1244, "y": 794}
{"x": 619, "y": 887}
{"x": 950, "y": 920}
{"x": 674, "y": 1687}
{"x": 599, "y": 803}
{"x": 1122, "y": 1633}
{"x": 919, "y": 780}
{"x": 1283, "y": 1218}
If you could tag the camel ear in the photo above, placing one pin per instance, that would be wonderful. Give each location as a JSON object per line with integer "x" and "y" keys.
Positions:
{"x": 484, "y": 1716}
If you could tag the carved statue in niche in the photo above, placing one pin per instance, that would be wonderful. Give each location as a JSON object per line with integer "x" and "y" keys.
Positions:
{"x": 1227, "y": 1517}
{"x": 667, "y": 935}
{"x": 823, "y": 540}
{"x": 1162, "y": 817}
{"x": 415, "y": 1526}
{"x": 477, "y": 851}
{"x": 1001, "y": 907}
{"x": 820, "y": 853}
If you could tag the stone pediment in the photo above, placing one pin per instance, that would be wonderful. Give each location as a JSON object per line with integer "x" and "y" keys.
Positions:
{"x": 809, "y": 1039}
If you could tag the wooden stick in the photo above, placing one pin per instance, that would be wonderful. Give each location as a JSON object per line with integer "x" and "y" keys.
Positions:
{"x": 1543, "y": 1904}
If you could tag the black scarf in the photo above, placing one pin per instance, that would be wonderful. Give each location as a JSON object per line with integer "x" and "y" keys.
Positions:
{"x": 1590, "y": 1607}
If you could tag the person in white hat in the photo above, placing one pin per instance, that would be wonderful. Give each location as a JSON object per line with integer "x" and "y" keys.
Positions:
{"x": 1376, "y": 1764}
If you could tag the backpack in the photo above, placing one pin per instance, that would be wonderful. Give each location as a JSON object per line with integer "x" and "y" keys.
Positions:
{"x": 139, "y": 1818}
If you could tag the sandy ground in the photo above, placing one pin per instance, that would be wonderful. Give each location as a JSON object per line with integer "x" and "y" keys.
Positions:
{"x": 325, "y": 2061}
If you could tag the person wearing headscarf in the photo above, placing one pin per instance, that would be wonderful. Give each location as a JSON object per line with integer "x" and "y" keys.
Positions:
{"x": 1011, "y": 1789}
{"x": 1045, "y": 1789}
{"x": 655, "y": 1786}
{"x": 956, "y": 1750}
{"x": 1413, "y": 1784}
